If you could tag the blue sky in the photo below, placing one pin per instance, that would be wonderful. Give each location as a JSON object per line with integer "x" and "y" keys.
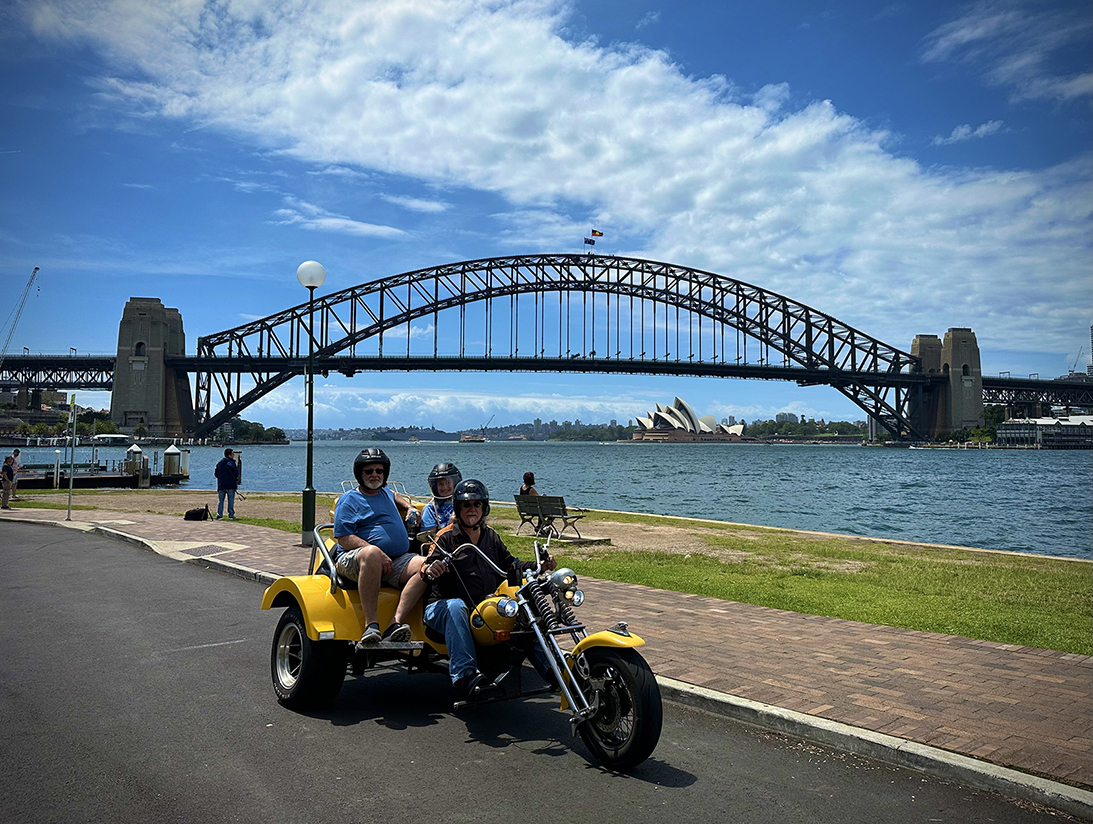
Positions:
{"x": 906, "y": 168}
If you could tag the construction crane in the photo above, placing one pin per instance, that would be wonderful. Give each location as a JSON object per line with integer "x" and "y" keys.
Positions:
{"x": 487, "y": 423}
{"x": 1078, "y": 358}
{"x": 18, "y": 312}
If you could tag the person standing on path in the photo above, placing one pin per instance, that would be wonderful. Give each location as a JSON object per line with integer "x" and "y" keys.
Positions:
{"x": 16, "y": 468}
{"x": 227, "y": 481}
{"x": 8, "y": 480}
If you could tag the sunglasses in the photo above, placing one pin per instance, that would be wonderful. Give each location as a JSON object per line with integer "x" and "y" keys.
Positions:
{"x": 376, "y": 471}
{"x": 472, "y": 504}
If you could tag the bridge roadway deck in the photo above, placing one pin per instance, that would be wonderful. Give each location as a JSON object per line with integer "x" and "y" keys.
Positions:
{"x": 1018, "y": 707}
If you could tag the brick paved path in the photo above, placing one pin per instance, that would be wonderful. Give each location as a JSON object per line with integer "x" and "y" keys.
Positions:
{"x": 1020, "y": 707}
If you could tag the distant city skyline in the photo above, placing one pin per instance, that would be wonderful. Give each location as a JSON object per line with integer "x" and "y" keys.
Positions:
{"x": 905, "y": 168}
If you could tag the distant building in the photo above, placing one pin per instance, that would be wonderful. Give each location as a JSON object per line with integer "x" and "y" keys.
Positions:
{"x": 679, "y": 423}
{"x": 1075, "y": 432}
{"x": 785, "y": 417}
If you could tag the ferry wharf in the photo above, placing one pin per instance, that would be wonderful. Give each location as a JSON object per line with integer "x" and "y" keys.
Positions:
{"x": 1010, "y": 719}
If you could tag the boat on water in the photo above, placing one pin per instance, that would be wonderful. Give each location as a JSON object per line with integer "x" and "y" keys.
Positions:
{"x": 468, "y": 437}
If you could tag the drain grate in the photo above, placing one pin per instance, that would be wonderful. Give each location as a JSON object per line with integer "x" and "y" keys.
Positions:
{"x": 206, "y": 549}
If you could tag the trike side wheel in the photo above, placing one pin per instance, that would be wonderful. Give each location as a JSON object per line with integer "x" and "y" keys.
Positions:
{"x": 306, "y": 674}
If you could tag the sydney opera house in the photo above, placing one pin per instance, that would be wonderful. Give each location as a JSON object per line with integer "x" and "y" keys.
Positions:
{"x": 678, "y": 423}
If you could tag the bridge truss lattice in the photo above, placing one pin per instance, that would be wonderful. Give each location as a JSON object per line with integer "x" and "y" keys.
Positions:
{"x": 557, "y": 312}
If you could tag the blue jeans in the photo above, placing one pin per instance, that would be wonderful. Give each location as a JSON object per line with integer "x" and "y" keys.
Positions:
{"x": 220, "y": 494}
{"x": 452, "y": 617}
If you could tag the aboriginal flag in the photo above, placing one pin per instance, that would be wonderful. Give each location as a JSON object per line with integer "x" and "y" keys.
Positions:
{"x": 596, "y": 234}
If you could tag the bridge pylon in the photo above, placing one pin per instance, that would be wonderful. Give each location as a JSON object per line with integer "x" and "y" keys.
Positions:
{"x": 957, "y": 402}
{"x": 146, "y": 391}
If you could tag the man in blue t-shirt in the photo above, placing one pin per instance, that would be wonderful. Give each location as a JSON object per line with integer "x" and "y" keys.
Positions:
{"x": 373, "y": 547}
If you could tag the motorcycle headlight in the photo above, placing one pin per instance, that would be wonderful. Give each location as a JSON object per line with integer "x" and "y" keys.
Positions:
{"x": 564, "y": 579}
{"x": 507, "y": 608}
{"x": 578, "y": 597}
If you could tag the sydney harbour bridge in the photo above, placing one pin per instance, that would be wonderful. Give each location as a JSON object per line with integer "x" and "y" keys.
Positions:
{"x": 536, "y": 313}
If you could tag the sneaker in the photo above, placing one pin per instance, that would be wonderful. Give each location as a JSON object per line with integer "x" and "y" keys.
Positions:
{"x": 397, "y": 633}
{"x": 231, "y": 517}
{"x": 5, "y": 507}
{"x": 220, "y": 517}
{"x": 371, "y": 636}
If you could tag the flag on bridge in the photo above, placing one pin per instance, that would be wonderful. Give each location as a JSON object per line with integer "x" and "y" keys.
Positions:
{"x": 596, "y": 234}
{"x": 589, "y": 242}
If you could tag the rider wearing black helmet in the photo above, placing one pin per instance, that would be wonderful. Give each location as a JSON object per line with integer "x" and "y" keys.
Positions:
{"x": 442, "y": 483}
{"x": 456, "y": 588}
{"x": 373, "y": 547}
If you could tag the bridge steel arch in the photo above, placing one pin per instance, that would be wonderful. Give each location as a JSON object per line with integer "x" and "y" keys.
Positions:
{"x": 560, "y": 312}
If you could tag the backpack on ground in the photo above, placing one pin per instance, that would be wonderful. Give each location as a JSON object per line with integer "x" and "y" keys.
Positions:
{"x": 200, "y": 513}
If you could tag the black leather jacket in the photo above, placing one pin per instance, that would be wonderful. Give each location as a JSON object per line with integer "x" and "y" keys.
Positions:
{"x": 469, "y": 577}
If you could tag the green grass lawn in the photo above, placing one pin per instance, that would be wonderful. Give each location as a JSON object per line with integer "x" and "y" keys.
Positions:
{"x": 1013, "y": 599}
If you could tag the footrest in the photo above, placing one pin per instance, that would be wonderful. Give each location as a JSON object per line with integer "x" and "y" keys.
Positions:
{"x": 399, "y": 645}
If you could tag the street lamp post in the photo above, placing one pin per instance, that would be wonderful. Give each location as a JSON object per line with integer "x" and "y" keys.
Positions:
{"x": 312, "y": 275}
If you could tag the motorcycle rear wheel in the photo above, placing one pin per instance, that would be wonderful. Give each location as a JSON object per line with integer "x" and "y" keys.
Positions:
{"x": 626, "y": 728}
{"x": 306, "y": 674}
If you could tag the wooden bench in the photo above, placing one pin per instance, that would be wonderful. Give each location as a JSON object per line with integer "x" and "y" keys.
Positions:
{"x": 541, "y": 511}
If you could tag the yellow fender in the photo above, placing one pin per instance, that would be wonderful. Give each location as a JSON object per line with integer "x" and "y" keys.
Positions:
{"x": 606, "y": 638}
{"x": 326, "y": 616}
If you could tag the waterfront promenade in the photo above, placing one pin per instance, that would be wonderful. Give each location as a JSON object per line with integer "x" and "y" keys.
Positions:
{"x": 1019, "y": 708}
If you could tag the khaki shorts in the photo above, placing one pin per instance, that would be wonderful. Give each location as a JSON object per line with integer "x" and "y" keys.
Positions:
{"x": 346, "y": 565}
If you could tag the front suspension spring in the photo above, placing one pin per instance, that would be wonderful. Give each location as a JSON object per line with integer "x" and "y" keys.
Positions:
{"x": 544, "y": 606}
{"x": 566, "y": 614}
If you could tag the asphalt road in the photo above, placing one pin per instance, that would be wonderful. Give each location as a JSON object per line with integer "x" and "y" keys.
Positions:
{"x": 137, "y": 689}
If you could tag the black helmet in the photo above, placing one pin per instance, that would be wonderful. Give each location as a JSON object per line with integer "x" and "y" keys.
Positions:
{"x": 444, "y": 470}
{"x": 472, "y": 490}
{"x": 371, "y": 455}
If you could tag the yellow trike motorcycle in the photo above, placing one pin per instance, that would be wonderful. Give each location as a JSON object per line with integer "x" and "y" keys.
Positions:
{"x": 602, "y": 681}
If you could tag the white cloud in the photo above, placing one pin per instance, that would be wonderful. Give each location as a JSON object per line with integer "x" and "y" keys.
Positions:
{"x": 416, "y": 204}
{"x": 340, "y": 171}
{"x": 309, "y": 216}
{"x": 1013, "y": 43}
{"x": 966, "y": 132}
{"x": 489, "y": 96}
{"x": 455, "y": 407}
{"x": 651, "y": 18}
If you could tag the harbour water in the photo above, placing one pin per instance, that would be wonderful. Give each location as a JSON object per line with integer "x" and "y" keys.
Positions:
{"x": 1027, "y": 501}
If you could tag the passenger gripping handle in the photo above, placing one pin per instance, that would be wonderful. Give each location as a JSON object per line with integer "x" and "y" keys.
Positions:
{"x": 319, "y": 545}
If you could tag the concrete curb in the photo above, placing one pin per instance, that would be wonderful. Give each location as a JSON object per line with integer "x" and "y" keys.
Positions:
{"x": 879, "y": 746}
{"x": 887, "y": 748}
{"x": 237, "y": 570}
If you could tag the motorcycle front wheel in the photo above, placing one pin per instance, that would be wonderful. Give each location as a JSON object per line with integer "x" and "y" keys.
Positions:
{"x": 626, "y": 727}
